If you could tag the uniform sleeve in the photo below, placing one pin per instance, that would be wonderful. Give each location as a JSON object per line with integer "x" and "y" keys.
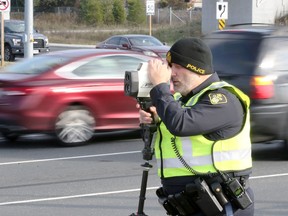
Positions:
{"x": 209, "y": 115}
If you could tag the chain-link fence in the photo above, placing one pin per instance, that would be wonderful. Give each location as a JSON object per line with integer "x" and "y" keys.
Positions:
{"x": 172, "y": 17}
{"x": 63, "y": 25}
{"x": 162, "y": 15}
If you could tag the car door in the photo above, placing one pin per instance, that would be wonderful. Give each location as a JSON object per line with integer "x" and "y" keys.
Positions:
{"x": 105, "y": 94}
{"x": 124, "y": 44}
{"x": 113, "y": 43}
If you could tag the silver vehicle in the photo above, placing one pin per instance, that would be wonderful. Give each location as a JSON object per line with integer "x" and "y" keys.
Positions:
{"x": 14, "y": 31}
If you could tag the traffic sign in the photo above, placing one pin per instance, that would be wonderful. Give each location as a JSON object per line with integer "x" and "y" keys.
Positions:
{"x": 222, "y": 10}
{"x": 221, "y": 24}
{"x": 4, "y": 5}
{"x": 150, "y": 7}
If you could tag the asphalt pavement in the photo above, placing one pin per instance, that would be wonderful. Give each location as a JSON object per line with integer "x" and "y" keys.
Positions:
{"x": 40, "y": 178}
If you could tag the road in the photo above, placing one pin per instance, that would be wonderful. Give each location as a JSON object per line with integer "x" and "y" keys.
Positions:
{"x": 103, "y": 178}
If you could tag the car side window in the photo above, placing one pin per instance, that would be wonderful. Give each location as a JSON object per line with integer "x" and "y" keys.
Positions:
{"x": 123, "y": 41}
{"x": 128, "y": 63}
{"x": 281, "y": 56}
{"x": 114, "y": 41}
{"x": 136, "y": 41}
{"x": 108, "y": 67}
{"x": 274, "y": 56}
{"x": 228, "y": 53}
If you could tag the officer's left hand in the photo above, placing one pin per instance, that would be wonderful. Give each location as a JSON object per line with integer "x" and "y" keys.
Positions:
{"x": 158, "y": 72}
{"x": 147, "y": 117}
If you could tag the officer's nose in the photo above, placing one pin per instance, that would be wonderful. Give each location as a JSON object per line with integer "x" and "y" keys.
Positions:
{"x": 173, "y": 73}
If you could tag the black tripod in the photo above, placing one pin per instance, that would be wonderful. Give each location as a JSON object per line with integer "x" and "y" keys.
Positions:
{"x": 147, "y": 152}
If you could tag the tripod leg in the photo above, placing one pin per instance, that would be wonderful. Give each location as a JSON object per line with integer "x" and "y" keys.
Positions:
{"x": 142, "y": 196}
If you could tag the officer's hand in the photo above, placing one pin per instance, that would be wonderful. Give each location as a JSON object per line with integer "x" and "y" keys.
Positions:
{"x": 147, "y": 117}
{"x": 158, "y": 71}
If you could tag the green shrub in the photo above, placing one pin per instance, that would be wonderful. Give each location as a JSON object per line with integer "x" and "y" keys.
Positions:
{"x": 91, "y": 12}
{"x": 119, "y": 12}
{"x": 136, "y": 12}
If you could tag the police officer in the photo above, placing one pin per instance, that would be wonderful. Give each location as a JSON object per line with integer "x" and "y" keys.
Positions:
{"x": 203, "y": 128}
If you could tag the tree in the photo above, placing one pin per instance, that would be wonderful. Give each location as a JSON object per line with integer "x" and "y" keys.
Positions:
{"x": 17, "y": 3}
{"x": 136, "y": 12}
{"x": 107, "y": 6}
{"x": 118, "y": 12}
{"x": 175, "y": 4}
{"x": 50, "y": 4}
{"x": 91, "y": 12}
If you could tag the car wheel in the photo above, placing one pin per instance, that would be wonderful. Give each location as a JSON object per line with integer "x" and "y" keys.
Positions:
{"x": 10, "y": 136}
{"x": 8, "y": 55}
{"x": 75, "y": 126}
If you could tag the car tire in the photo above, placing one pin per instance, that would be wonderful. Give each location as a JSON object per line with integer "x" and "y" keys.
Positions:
{"x": 8, "y": 55}
{"x": 75, "y": 126}
{"x": 10, "y": 136}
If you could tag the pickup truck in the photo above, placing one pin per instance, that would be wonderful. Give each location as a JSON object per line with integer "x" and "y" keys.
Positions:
{"x": 14, "y": 33}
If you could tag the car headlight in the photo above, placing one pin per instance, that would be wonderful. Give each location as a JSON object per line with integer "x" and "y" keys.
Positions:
{"x": 17, "y": 41}
{"x": 150, "y": 53}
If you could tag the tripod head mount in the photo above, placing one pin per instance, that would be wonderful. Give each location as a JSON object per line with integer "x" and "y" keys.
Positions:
{"x": 147, "y": 130}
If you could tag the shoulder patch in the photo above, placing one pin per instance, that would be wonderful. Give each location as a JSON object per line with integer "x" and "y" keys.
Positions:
{"x": 217, "y": 98}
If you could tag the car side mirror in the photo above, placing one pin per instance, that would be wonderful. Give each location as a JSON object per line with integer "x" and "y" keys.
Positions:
{"x": 125, "y": 45}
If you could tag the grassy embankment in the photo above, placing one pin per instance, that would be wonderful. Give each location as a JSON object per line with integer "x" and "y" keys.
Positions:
{"x": 65, "y": 28}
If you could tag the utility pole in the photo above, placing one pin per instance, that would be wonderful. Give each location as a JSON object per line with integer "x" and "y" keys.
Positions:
{"x": 28, "y": 43}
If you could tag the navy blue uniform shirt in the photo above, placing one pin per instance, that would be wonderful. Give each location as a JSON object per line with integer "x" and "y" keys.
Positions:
{"x": 215, "y": 121}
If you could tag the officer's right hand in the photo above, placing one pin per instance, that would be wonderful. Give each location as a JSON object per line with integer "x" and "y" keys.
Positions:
{"x": 147, "y": 117}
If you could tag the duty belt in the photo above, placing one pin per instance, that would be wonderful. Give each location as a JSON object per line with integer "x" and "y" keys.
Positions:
{"x": 244, "y": 179}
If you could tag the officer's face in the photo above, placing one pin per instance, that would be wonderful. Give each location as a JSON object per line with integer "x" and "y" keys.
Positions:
{"x": 184, "y": 81}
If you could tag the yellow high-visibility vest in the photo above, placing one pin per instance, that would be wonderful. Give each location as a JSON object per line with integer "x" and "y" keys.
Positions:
{"x": 199, "y": 153}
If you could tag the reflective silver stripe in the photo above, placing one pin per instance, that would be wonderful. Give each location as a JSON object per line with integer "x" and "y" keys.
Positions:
{"x": 187, "y": 148}
{"x": 207, "y": 160}
{"x": 176, "y": 163}
{"x": 232, "y": 155}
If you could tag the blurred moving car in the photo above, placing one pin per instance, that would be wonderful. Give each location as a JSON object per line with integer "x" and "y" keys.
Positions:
{"x": 72, "y": 93}
{"x": 146, "y": 44}
{"x": 14, "y": 38}
{"x": 254, "y": 58}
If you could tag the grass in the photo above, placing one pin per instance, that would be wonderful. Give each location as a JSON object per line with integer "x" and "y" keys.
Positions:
{"x": 66, "y": 28}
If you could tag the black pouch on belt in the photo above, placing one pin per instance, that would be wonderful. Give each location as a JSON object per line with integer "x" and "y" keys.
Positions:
{"x": 163, "y": 200}
{"x": 203, "y": 197}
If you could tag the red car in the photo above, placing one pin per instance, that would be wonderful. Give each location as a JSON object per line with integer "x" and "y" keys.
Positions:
{"x": 72, "y": 93}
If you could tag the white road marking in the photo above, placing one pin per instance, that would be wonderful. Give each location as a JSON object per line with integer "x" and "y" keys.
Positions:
{"x": 269, "y": 176}
{"x": 67, "y": 158}
{"x": 72, "y": 196}
{"x": 108, "y": 192}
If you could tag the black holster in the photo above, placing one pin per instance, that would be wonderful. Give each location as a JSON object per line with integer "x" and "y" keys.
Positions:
{"x": 177, "y": 204}
{"x": 208, "y": 198}
{"x": 197, "y": 197}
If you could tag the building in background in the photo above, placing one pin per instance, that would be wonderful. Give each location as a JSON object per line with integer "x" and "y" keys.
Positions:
{"x": 244, "y": 11}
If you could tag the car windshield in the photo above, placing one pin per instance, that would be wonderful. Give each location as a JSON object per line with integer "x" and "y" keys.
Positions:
{"x": 15, "y": 27}
{"x": 36, "y": 65}
{"x": 144, "y": 41}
